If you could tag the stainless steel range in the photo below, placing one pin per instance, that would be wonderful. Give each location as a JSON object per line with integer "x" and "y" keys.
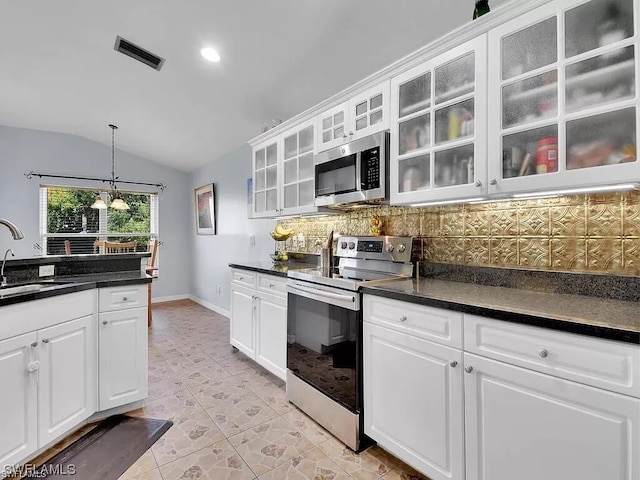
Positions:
{"x": 324, "y": 327}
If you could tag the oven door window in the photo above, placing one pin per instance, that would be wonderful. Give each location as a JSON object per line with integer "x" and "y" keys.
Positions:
{"x": 323, "y": 348}
{"x": 336, "y": 176}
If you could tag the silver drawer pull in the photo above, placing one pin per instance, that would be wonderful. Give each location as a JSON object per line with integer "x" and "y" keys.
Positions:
{"x": 105, "y": 322}
{"x": 468, "y": 369}
{"x": 453, "y": 364}
{"x": 124, "y": 299}
{"x": 543, "y": 352}
{"x": 45, "y": 340}
{"x": 271, "y": 285}
{"x": 240, "y": 278}
{"x": 34, "y": 344}
{"x": 403, "y": 318}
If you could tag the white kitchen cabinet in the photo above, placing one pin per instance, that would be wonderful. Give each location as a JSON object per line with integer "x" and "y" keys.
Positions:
{"x": 123, "y": 360}
{"x": 266, "y": 200}
{"x": 298, "y": 178}
{"x": 19, "y": 399}
{"x": 528, "y": 425}
{"x": 123, "y": 346}
{"x": 438, "y": 127}
{"x": 259, "y": 319}
{"x": 413, "y": 396}
{"x": 363, "y": 114}
{"x": 67, "y": 381}
{"x": 563, "y": 86}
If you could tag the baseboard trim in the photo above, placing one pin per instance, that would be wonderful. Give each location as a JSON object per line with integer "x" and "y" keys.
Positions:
{"x": 210, "y": 306}
{"x": 169, "y": 298}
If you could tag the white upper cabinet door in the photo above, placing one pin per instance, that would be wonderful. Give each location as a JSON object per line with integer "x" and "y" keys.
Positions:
{"x": 526, "y": 425}
{"x": 438, "y": 127}
{"x": 298, "y": 177}
{"x": 19, "y": 399}
{"x": 332, "y": 127}
{"x": 266, "y": 187}
{"x": 369, "y": 111}
{"x": 563, "y": 90}
{"x": 67, "y": 388}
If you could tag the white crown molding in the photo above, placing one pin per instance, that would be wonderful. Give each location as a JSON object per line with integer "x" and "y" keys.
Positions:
{"x": 468, "y": 31}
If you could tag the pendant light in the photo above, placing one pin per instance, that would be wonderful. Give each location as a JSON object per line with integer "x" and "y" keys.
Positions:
{"x": 117, "y": 203}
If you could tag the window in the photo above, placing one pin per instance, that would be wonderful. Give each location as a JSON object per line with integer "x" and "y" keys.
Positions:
{"x": 66, "y": 215}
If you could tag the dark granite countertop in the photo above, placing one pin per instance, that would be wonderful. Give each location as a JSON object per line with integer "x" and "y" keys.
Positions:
{"x": 76, "y": 283}
{"x": 270, "y": 268}
{"x": 594, "y": 316}
{"x": 47, "y": 259}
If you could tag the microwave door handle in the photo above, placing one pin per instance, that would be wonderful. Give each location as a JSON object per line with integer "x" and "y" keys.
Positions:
{"x": 358, "y": 171}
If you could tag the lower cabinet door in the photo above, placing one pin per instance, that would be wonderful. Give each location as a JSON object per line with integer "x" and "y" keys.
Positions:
{"x": 531, "y": 426}
{"x": 271, "y": 324}
{"x": 413, "y": 401}
{"x": 122, "y": 365}
{"x": 18, "y": 400}
{"x": 66, "y": 392}
{"x": 242, "y": 320}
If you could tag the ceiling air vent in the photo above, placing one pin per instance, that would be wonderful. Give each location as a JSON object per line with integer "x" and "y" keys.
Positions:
{"x": 138, "y": 53}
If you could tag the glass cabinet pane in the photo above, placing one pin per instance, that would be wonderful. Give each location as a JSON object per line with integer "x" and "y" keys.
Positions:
{"x": 603, "y": 79}
{"x": 605, "y": 139}
{"x": 291, "y": 146}
{"x": 455, "y": 122}
{"x": 261, "y": 201}
{"x": 361, "y": 123}
{"x": 291, "y": 171}
{"x": 259, "y": 159}
{"x": 306, "y": 166}
{"x": 361, "y": 108}
{"x": 260, "y": 180}
{"x": 596, "y": 24}
{"x": 375, "y": 117}
{"x": 414, "y": 134}
{"x": 338, "y": 118}
{"x": 306, "y": 193}
{"x": 327, "y": 123}
{"x": 530, "y": 48}
{"x": 415, "y": 95}
{"x": 453, "y": 167}
{"x": 326, "y": 136}
{"x": 531, "y": 152}
{"x": 530, "y": 99}
{"x": 338, "y": 132}
{"x": 272, "y": 199}
{"x": 375, "y": 102}
{"x": 414, "y": 174}
{"x": 455, "y": 79}
{"x": 306, "y": 139}
{"x": 272, "y": 154}
{"x": 272, "y": 177}
{"x": 291, "y": 196}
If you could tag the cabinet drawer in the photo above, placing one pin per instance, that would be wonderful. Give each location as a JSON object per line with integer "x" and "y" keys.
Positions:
{"x": 118, "y": 298}
{"x": 272, "y": 284}
{"x": 244, "y": 278}
{"x": 434, "y": 324}
{"x": 607, "y": 364}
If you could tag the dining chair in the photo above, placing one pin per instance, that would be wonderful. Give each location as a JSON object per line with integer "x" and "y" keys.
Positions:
{"x": 152, "y": 271}
{"x": 120, "y": 247}
{"x": 67, "y": 247}
{"x": 97, "y": 245}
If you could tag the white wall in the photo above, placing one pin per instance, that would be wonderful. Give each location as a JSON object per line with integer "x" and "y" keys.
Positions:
{"x": 213, "y": 253}
{"x": 23, "y": 150}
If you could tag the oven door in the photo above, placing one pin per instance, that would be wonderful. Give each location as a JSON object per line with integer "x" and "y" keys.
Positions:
{"x": 324, "y": 336}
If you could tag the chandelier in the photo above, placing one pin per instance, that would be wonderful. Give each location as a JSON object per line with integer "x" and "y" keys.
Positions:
{"x": 118, "y": 202}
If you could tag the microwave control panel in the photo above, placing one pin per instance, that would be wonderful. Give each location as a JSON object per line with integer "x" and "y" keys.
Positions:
{"x": 370, "y": 168}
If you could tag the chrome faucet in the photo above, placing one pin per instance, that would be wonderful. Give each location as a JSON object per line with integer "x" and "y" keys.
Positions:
{"x": 3, "y": 283}
{"x": 15, "y": 230}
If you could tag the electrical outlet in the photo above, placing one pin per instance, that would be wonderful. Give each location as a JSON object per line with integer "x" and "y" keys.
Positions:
{"x": 47, "y": 270}
{"x": 218, "y": 289}
{"x": 300, "y": 240}
{"x": 252, "y": 240}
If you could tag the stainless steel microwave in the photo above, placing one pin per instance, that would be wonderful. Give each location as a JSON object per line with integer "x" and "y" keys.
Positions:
{"x": 357, "y": 172}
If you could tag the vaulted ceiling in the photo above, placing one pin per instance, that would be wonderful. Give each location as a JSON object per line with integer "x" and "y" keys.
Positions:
{"x": 59, "y": 71}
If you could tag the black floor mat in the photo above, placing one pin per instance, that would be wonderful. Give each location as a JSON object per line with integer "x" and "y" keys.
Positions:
{"x": 107, "y": 451}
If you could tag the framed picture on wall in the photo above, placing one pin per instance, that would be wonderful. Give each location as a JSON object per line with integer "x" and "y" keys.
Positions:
{"x": 205, "y": 202}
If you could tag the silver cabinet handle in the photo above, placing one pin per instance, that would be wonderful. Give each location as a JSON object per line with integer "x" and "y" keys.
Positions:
{"x": 271, "y": 285}
{"x": 124, "y": 299}
{"x": 493, "y": 181}
{"x": 543, "y": 352}
{"x": 34, "y": 344}
{"x": 45, "y": 340}
{"x": 468, "y": 369}
{"x": 478, "y": 183}
{"x": 241, "y": 278}
{"x": 403, "y": 318}
{"x": 105, "y": 322}
{"x": 453, "y": 364}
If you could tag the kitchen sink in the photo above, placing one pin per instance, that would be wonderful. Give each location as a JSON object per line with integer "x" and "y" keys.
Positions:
{"x": 29, "y": 288}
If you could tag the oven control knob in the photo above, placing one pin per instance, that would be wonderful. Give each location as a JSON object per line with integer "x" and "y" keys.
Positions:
{"x": 389, "y": 248}
{"x": 343, "y": 245}
{"x": 401, "y": 248}
{"x": 352, "y": 245}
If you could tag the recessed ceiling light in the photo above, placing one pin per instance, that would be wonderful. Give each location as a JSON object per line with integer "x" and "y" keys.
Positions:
{"x": 210, "y": 54}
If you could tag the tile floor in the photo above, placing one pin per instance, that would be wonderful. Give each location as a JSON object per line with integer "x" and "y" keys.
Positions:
{"x": 231, "y": 417}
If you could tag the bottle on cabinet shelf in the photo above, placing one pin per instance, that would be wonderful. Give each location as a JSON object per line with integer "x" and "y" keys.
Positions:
{"x": 482, "y": 7}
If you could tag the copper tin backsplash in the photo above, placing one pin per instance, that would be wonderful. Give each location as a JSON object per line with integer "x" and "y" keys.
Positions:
{"x": 589, "y": 233}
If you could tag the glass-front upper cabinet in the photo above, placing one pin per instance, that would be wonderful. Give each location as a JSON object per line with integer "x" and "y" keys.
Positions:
{"x": 362, "y": 115}
{"x": 298, "y": 182}
{"x": 562, "y": 85}
{"x": 265, "y": 179}
{"x": 438, "y": 149}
